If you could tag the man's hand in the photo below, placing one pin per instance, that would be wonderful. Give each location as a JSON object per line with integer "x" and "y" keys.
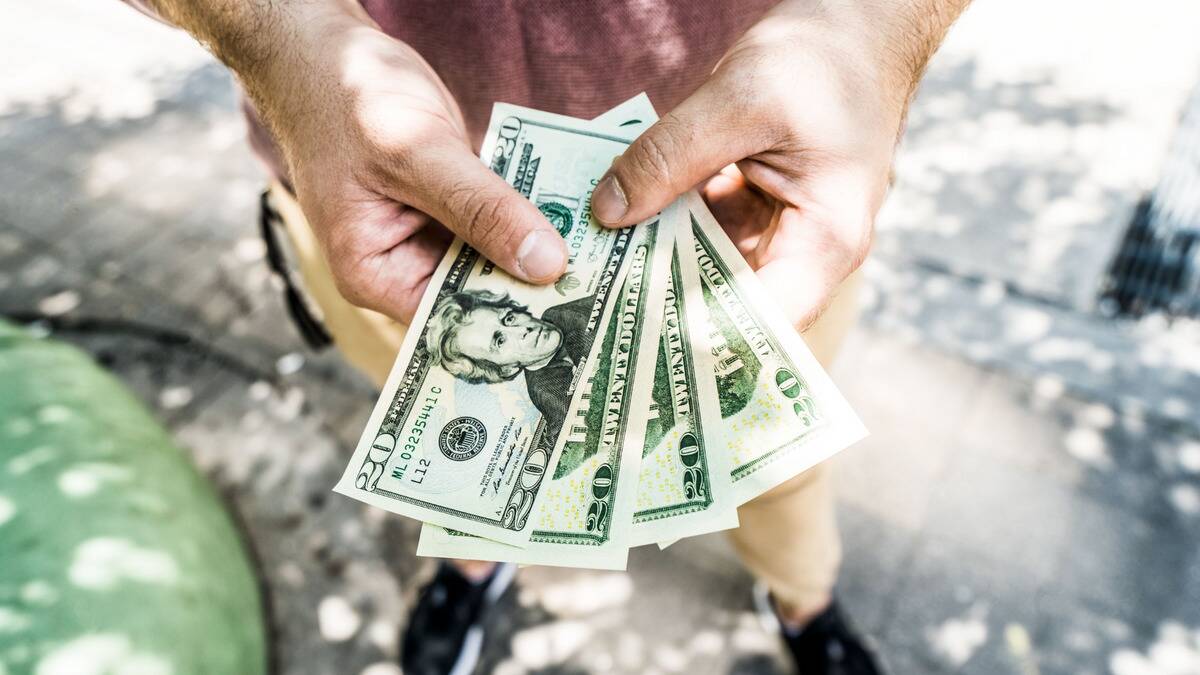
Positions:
{"x": 376, "y": 148}
{"x": 808, "y": 107}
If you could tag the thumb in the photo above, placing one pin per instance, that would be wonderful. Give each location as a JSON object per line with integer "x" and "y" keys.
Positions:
{"x": 453, "y": 186}
{"x": 692, "y": 142}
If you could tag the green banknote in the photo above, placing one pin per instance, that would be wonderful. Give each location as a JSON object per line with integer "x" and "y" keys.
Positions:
{"x": 779, "y": 412}
{"x": 684, "y": 488}
{"x": 472, "y": 417}
{"x": 586, "y": 511}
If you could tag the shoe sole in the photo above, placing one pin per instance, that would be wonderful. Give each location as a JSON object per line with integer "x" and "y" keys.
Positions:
{"x": 472, "y": 648}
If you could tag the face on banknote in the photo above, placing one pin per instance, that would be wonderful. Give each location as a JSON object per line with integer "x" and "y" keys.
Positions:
{"x": 471, "y": 422}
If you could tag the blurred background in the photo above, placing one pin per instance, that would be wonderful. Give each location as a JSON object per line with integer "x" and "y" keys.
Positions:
{"x": 1028, "y": 363}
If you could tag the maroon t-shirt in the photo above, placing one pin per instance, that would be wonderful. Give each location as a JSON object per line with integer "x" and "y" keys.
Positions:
{"x": 574, "y": 57}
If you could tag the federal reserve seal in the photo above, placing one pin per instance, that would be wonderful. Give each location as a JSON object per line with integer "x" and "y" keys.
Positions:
{"x": 559, "y": 216}
{"x": 462, "y": 438}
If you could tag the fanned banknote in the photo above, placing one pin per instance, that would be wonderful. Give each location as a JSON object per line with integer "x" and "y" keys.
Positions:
{"x": 471, "y": 418}
{"x": 688, "y": 392}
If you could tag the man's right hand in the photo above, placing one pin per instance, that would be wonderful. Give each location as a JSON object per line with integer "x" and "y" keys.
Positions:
{"x": 376, "y": 148}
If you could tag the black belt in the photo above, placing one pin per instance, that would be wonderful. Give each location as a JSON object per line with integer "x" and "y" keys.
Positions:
{"x": 310, "y": 327}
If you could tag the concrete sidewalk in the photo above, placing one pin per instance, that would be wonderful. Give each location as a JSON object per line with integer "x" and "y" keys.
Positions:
{"x": 1028, "y": 502}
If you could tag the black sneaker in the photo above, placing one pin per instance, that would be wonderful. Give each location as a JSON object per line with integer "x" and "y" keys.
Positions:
{"x": 828, "y": 645}
{"x": 445, "y": 630}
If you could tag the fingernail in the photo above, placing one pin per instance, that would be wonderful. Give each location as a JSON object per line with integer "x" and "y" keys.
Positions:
{"x": 608, "y": 200}
{"x": 540, "y": 255}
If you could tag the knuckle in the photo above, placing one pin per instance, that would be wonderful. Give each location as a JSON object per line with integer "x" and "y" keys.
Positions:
{"x": 486, "y": 219}
{"x": 651, "y": 159}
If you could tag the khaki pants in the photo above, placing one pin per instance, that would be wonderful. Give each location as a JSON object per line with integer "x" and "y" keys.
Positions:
{"x": 787, "y": 538}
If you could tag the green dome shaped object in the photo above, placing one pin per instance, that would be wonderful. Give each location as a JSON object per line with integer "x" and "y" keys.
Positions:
{"x": 116, "y": 556}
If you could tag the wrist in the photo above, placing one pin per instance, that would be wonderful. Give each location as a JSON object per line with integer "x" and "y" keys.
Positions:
{"x": 300, "y": 44}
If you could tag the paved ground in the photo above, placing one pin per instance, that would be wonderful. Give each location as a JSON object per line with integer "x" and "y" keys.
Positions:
{"x": 1029, "y": 501}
